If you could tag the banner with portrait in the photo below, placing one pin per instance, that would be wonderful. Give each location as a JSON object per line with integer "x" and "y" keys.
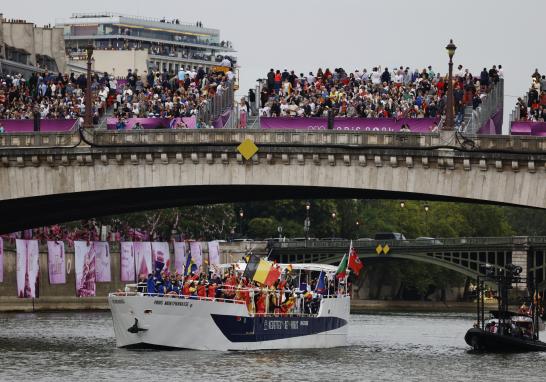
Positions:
{"x": 84, "y": 264}
{"x": 196, "y": 254}
{"x": 214, "y": 253}
{"x": 28, "y": 268}
{"x": 160, "y": 253}
{"x": 102, "y": 261}
{"x": 127, "y": 261}
{"x": 180, "y": 257}
{"x": 143, "y": 258}
{"x": 56, "y": 262}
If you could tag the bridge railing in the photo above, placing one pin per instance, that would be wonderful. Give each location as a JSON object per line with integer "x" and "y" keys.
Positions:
{"x": 422, "y": 243}
{"x": 311, "y": 138}
{"x": 38, "y": 140}
{"x": 229, "y": 136}
{"x": 233, "y": 137}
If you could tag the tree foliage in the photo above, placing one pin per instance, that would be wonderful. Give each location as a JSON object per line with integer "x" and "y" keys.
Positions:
{"x": 349, "y": 219}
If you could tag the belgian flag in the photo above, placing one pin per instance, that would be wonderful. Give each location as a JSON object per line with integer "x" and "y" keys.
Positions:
{"x": 251, "y": 267}
{"x": 261, "y": 271}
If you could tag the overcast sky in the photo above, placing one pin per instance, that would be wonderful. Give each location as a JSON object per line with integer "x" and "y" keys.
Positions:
{"x": 304, "y": 35}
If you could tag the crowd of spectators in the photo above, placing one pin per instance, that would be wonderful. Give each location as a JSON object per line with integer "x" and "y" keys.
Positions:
{"x": 153, "y": 94}
{"x": 52, "y": 95}
{"x": 167, "y": 95}
{"x": 377, "y": 93}
{"x": 534, "y": 108}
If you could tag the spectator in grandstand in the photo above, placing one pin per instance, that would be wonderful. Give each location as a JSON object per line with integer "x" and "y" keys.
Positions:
{"x": 379, "y": 93}
{"x": 243, "y": 111}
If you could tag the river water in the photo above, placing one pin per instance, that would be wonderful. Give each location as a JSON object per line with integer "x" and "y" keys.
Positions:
{"x": 394, "y": 347}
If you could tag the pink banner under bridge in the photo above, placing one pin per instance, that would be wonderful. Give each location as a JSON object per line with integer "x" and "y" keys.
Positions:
{"x": 420, "y": 125}
{"x": 46, "y": 125}
{"x": 153, "y": 123}
{"x": 528, "y": 128}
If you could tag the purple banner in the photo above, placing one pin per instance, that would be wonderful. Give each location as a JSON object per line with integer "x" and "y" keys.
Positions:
{"x": 143, "y": 258}
{"x": 28, "y": 268}
{"x": 196, "y": 254}
{"x": 1, "y": 260}
{"x": 154, "y": 123}
{"x": 84, "y": 264}
{"x": 180, "y": 249}
{"x": 493, "y": 126}
{"x": 46, "y": 125}
{"x": 160, "y": 252}
{"x": 419, "y": 125}
{"x": 528, "y": 128}
{"x": 102, "y": 261}
{"x": 221, "y": 121}
{"x": 127, "y": 261}
{"x": 56, "y": 262}
{"x": 214, "y": 253}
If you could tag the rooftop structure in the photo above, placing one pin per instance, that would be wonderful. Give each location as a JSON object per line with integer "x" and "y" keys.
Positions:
{"x": 26, "y": 48}
{"x": 132, "y": 42}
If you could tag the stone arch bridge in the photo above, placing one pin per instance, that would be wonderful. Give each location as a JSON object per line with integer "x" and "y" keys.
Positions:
{"x": 47, "y": 178}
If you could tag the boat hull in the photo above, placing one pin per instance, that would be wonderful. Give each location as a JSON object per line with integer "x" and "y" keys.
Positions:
{"x": 215, "y": 325}
{"x": 495, "y": 343}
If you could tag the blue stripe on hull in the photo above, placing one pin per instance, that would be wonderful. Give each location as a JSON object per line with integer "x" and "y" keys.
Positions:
{"x": 257, "y": 329}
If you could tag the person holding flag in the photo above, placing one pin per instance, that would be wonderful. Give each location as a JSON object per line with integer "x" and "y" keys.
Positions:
{"x": 352, "y": 262}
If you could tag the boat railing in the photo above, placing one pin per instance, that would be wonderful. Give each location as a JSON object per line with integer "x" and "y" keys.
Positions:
{"x": 298, "y": 309}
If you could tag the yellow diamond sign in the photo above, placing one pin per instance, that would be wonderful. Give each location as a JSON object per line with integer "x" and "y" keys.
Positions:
{"x": 247, "y": 149}
{"x": 379, "y": 249}
{"x": 386, "y": 249}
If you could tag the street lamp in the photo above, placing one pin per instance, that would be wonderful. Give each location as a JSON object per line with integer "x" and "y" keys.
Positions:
{"x": 279, "y": 230}
{"x": 88, "y": 117}
{"x": 333, "y": 223}
{"x": 450, "y": 119}
{"x": 426, "y": 207}
{"x": 307, "y": 222}
{"x": 241, "y": 215}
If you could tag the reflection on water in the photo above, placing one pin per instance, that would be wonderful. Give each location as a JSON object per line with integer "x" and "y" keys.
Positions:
{"x": 403, "y": 347}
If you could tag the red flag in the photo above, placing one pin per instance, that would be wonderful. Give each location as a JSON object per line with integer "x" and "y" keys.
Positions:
{"x": 354, "y": 262}
{"x": 273, "y": 275}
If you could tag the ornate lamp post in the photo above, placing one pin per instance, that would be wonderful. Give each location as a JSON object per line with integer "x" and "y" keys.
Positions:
{"x": 402, "y": 206}
{"x": 334, "y": 223}
{"x": 307, "y": 222}
{"x": 88, "y": 117}
{"x": 241, "y": 216}
{"x": 426, "y": 207}
{"x": 450, "y": 120}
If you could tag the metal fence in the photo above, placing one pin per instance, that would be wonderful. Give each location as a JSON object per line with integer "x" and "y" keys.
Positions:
{"x": 491, "y": 103}
{"x": 220, "y": 103}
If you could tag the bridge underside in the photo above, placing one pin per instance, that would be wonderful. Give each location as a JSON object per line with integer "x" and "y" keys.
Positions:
{"x": 24, "y": 213}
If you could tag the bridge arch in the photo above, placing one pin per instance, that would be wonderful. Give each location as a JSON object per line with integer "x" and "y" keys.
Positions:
{"x": 131, "y": 171}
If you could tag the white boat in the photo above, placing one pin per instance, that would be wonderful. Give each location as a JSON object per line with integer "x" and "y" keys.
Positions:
{"x": 189, "y": 322}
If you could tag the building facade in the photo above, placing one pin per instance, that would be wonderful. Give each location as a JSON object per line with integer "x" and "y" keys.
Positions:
{"x": 130, "y": 42}
{"x": 25, "y": 48}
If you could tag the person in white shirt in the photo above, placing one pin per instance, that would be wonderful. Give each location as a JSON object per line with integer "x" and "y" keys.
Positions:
{"x": 500, "y": 72}
{"x": 375, "y": 76}
{"x": 365, "y": 75}
{"x": 226, "y": 62}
